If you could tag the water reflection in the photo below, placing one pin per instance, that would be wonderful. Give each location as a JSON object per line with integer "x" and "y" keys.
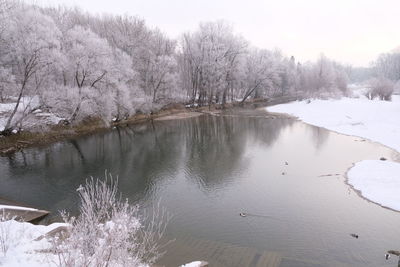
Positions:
{"x": 319, "y": 136}
{"x": 210, "y": 148}
{"x": 215, "y": 148}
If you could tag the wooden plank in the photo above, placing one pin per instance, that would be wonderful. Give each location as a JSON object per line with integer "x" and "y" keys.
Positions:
{"x": 26, "y": 215}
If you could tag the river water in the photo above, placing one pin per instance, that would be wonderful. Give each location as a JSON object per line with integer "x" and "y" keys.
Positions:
{"x": 287, "y": 176}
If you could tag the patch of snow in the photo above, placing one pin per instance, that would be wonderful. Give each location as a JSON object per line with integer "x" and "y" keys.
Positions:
{"x": 48, "y": 118}
{"x": 378, "y": 181}
{"x": 372, "y": 119}
{"x": 39, "y": 118}
{"x": 31, "y": 102}
{"x": 6, "y": 107}
{"x": 15, "y": 208}
{"x": 192, "y": 264}
{"x": 22, "y": 249}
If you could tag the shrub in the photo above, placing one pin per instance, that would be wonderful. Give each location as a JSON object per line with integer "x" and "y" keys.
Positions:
{"x": 381, "y": 88}
{"x": 109, "y": 231}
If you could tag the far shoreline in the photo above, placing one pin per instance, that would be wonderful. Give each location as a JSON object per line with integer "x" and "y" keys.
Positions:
{"x": 57, "y": 133}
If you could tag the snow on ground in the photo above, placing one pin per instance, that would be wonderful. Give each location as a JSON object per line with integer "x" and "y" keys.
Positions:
{"x": 375, "y": 120}
{"x": 22, "y": 247}
{"x": 379, "y": 121}
{"x": 378, "y": 181}
{"x": 26, "y": 102}
{"x": 37, "y": 118}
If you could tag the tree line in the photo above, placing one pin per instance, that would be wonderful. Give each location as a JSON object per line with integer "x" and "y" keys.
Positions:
{"x": 77, "y": 65}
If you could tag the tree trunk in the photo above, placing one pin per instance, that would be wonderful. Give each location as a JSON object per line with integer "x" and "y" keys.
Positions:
{"x": 75, "y": 113}
{"x": 7, "y": 127}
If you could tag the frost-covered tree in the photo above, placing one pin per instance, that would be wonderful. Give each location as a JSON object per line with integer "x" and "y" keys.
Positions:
{"x": 324, "y": 78}
{"x": 89, "y": 58}
{"x": 261, "y": 74}
{"x": 210, "y": 59}
{"x": 158, "y": 66}
{"x": 7, "y": 83}
{"x": 80, "y": 66}
{"x": 288, "y": 75}
{"x": 388, "y": 66}
{"x": 29, "y": 50}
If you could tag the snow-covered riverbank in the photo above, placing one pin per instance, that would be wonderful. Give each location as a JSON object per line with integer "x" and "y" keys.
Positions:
{"x": 378, "y": 181}
{"x": 19, "y": 247}
{"x": 378, "y": 121}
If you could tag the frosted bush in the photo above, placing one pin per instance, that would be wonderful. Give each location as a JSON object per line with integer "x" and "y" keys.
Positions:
{"x": 109, "y": 231}
{"x": 381, "y": 88}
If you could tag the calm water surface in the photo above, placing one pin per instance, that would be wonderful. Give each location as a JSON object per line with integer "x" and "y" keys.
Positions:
{"x": 206, "y": 170}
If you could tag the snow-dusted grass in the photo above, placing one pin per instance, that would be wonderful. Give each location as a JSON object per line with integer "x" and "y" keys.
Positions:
{"x": 374, "y": 120}
{"x": 379, "y": 121}
{"x": 378, "y": 181}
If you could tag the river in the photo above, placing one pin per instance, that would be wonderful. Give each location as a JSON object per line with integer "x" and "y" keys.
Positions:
{"x": 286, "y": 176}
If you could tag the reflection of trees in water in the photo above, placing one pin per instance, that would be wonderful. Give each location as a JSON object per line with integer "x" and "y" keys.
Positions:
{"x": 318, "y": 136}
{"x": 210, "y": 149}
{"x": 216, "y": 147}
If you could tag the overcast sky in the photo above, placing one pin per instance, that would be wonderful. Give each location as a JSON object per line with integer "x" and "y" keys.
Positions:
{"x": 349, "y": 31}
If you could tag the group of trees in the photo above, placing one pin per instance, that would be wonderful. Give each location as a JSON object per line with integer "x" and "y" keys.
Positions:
{"x": 382, "y": 77}
{"x": 386, "y": 79}
{"x": 218, "y": 66}
{"x": 78, "y": 65}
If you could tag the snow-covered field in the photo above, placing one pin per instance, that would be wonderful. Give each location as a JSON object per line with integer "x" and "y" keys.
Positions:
{"x": 378, "y": 121}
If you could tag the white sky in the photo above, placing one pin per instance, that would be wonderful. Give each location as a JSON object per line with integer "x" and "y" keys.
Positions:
{"x": 352, "y": 31}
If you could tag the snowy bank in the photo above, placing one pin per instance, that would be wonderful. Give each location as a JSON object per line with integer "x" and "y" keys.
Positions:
{"x": 21, "y": 249}
{"x": 374, "y": 120}
{"x": 378, "y": 181}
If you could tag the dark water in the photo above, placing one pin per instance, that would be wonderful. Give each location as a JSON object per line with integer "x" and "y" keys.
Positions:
{"x": 206, "y": 170}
